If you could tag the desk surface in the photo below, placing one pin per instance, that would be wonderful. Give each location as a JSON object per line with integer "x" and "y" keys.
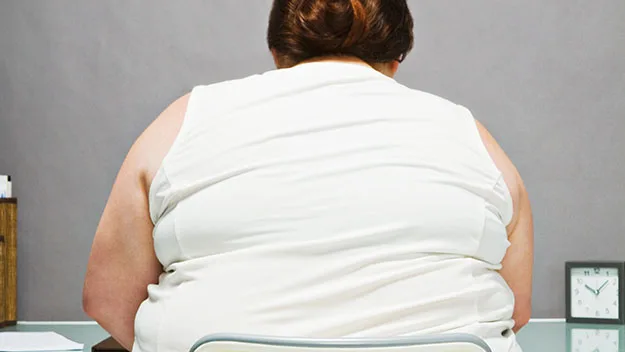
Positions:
{"x": 536, "y": 337}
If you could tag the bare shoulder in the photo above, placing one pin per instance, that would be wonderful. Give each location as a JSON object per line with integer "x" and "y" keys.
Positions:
{"x": 149, "y": 150}
{"x": 504, "y": 164}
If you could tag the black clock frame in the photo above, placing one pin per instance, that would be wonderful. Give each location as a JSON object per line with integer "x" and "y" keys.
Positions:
{"x": 592, "y": 264}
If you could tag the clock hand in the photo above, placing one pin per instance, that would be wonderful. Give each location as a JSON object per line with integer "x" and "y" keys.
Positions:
{"x": 591, "y": 289}
{"x": 602, "y": 287}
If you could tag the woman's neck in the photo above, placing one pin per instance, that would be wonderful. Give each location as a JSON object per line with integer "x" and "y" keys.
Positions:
{"x": 388, "y": 69}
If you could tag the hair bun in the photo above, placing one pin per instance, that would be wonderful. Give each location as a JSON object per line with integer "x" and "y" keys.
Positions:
{"x": 331, "y": 25}
{"x": 373, "y": 30}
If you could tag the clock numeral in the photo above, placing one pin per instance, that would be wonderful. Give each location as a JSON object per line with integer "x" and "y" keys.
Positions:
{"x": 576, "y": 292}
{"x": 587, "y": 272}
{"x": 597, "y": 270}
{"x": 597, "y": 333}
{"x": 607, "y": 311}
{"x": 614, "y": 282}
{"x": 580, "y": 281}
{"x": 597, "y": 314}
{"x": 615, "y": 304}
{"x": 579, "y": 302}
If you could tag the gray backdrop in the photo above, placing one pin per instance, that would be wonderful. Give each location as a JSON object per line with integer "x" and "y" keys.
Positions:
{"x": 80, "y": 80}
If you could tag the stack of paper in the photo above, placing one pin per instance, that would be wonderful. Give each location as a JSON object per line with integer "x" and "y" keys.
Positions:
{"x": 5, "y": 186}
{"x": 36, "y": 341}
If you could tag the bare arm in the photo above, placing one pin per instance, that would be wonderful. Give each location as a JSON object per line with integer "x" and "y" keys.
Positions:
{"x": 518, "y": 263}
{"x": 122, "y": 262}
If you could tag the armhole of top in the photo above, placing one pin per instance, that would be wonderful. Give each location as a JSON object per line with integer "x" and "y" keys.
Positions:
{"x": 499, "y": 186}
{"x": 502, "y": 187}
{"x": 184, "y": 127}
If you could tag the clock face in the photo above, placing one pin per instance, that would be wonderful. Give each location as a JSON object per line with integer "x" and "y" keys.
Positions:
{"x": 595, "y": 293}
{"x": 594, "y": 340}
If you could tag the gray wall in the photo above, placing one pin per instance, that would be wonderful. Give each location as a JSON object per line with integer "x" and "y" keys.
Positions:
{"x": 80, "y": 80}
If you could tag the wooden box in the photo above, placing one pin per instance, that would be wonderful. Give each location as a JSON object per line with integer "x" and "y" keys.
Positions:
{"x": 8, "y": 261}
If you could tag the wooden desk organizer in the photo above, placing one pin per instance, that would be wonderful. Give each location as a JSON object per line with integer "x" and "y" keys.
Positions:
{"x": 8, "y": 261}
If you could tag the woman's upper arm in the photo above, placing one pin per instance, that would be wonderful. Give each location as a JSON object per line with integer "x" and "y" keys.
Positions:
{"x": 517, "y": 265}
{"x": 122, "y": 262}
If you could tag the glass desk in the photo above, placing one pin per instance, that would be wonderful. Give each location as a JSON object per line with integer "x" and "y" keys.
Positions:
{"x": 535, "y": 337}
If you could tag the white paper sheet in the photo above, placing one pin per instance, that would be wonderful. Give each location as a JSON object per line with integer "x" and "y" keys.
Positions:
{"x": 36, "y": 341}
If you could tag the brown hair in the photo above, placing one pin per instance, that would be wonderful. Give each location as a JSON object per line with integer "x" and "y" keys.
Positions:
{"x": 376, "y": 31}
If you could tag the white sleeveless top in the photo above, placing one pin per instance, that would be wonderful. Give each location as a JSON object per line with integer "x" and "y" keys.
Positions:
{"x": 326, "y": 200}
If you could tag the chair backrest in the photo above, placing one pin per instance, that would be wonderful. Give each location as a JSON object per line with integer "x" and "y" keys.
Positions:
{"x": 429, "y": 343}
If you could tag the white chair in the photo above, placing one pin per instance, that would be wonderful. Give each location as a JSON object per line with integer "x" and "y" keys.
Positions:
{"x": 429, "y": 343}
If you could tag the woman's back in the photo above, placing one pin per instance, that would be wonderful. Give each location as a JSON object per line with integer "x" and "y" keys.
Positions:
{"x": 326, "y": 200}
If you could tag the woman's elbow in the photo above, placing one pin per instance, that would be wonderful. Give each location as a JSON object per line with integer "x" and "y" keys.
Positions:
{"x": 92, "y": 301}
{"x": 522, "y": 315}
{"x": 521, "y": 321}
{"x": 89, "y": 303}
